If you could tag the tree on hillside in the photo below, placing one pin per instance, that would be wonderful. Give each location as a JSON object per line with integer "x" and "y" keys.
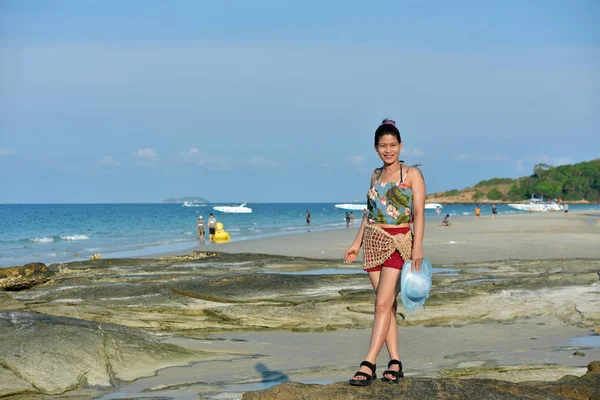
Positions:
{"x": 539, "y": 170}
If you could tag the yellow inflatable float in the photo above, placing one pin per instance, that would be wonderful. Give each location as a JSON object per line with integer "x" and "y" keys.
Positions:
{"x": 221, "y": 234}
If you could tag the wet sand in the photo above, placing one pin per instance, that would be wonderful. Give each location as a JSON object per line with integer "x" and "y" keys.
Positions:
{"x": 535, "y": 349}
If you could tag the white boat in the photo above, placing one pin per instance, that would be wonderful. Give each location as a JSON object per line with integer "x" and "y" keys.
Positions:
{"x": 537, "y": 205}
{"x": 351, "y": 206}
{"x": 433, "y": 206}
{"x": 190, "y": 204}
{"x": 241, "y": 209}
{"x": 554, "y": 206}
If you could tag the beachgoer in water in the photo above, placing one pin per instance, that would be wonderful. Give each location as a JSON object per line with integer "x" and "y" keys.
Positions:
{"x": 438, "y": 210}
{"x": 396, "y": 198}
{"x": 347, "y": 219}
{"x": 200, "y": 228}
{"x": 212, "y": 226}
{"x": 307, "y": 218}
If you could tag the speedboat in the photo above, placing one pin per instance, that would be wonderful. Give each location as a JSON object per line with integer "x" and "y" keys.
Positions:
{"x": 433, "y": 206}
{"x": 537, "y": 205}
{"x": 241, "y": 209}
{"x": 554, "y": 206}
{"x": 191, "y": 204}
{"x": 351, "y": 206}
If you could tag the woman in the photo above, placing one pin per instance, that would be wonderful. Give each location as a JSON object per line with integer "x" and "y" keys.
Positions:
{"x": 396, "y": 198}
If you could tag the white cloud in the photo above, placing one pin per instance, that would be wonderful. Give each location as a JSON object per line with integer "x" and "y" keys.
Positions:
{"x": 262, "y": 162}
{"x": 5, "y": 151}
{"x": 196, "y": 157}
{"x": 470, "y": 157}
{"x": 416, "y": 152}
{"x": 108, "y": 161}
{"x": 147, "y": 157}
{"x": 357, "y": 160}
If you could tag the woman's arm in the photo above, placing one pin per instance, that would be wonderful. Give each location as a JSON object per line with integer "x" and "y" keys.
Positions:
{"x": 418, "y": 188}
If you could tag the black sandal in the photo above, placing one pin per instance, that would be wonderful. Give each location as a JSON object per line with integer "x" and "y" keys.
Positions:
{"x": 396, "y": 374}
{"x": 368, "y": 378}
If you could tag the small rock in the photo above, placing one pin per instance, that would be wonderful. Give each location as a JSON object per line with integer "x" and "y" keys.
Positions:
{"x": 24, "y": 277}
{"x": 579, "y": 353}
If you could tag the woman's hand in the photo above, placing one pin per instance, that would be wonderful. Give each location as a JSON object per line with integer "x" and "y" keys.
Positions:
{"x": 417, "y": 258}
{"x": 351, "y": 253}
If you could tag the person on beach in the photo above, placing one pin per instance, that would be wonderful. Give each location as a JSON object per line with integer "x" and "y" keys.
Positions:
{"x": 307, "y": 218}
{"x": 438, "y": 211}
{"x": 396, "y": 199}
{"x": 212, "y": 226}
{"x": 566, "y": 210}
{"x": 477, "y": 212}
{"x": 446, "y": 221}
{"x": 200, "y": 228}
{"x": 494, "y": 211}
{"x": 347, "y": 219}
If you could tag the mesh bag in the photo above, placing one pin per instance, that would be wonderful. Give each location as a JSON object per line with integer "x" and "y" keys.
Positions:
{"x": 378, "y": 245}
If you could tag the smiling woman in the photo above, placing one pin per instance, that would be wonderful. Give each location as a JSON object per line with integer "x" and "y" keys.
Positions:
{"x": 396, "y": 199}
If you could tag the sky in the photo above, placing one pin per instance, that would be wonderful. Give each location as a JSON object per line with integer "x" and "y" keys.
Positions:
{"x": 107, "y": 101}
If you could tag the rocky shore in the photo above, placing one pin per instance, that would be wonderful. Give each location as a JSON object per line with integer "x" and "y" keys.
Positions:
{"x": 569, "y": 387}
{"x": 89, "y": 329}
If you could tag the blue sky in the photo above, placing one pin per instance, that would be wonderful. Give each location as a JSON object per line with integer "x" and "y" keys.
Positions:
{"x": 276, "y": 101}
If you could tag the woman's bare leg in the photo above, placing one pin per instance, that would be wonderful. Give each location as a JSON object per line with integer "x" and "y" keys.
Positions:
{"x": 385, "y": 329}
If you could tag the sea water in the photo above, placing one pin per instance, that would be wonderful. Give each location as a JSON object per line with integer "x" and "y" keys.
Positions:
{"x": 51, "y": 233}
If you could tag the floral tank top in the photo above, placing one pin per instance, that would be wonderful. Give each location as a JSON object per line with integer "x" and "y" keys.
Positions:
{"x": 390, "y": 202}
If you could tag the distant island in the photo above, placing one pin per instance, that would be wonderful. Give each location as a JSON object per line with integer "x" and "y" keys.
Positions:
{"x": 181, "y": 200}
{"x": 575, "y": 183}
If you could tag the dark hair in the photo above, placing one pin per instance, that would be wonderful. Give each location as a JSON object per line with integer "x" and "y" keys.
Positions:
{"x": 387, "y": 127}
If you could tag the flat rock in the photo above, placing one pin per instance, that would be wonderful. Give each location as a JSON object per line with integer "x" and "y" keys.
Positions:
{"x": 570, "y": 387}
{"x": 12, "y": 384}
{"x": 57, "y": 354}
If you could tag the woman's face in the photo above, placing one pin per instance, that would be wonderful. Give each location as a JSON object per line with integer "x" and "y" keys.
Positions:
{"x": 388, "y": 148}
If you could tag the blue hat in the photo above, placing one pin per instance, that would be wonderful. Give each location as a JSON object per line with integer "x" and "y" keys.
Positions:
{"x": 415, "y": 286}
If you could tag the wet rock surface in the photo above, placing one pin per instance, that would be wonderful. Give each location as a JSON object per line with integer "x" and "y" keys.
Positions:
{"x": 102, "y": 323}
{"x": 569, "y": 387}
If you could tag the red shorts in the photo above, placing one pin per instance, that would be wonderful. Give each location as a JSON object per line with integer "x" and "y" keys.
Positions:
{"x": 395, "y": 261}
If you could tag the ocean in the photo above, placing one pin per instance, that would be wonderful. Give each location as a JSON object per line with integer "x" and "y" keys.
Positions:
{"x": 53, "y": 233}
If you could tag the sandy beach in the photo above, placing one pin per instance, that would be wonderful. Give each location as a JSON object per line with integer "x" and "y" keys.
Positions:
{"x": 511, "y": 298}
{"x": 510, "y": 236}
